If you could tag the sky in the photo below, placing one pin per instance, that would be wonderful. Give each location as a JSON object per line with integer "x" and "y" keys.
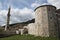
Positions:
{"x": 22, "y": 10}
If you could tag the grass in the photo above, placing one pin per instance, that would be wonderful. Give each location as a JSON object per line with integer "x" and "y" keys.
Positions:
{"x": 27, "y": 37}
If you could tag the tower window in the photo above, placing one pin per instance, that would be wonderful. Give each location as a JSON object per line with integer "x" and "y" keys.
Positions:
{"x": 49, "y": 8}
{"x": 50, "y": 17}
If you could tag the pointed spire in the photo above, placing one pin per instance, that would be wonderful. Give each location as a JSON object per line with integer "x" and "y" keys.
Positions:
{"x": 8, "y": 19}
{"x": 9, "y": 11}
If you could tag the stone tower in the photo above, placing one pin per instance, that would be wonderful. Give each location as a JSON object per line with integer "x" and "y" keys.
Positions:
{"x": 45, "y": 20}
{"x": 58, "y": 20}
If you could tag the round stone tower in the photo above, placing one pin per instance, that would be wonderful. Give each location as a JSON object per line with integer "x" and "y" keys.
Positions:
{"x": 45, "y": 20}
{"x": 58, "y": 20}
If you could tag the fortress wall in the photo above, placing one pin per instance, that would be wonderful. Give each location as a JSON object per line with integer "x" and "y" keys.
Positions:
{"x": 58, "y": 20}
{"x": 41, "y": 21}
{"x": 45, "y": 20}
{"x": 31, "y": 29}
{"x": 53, "y": 28}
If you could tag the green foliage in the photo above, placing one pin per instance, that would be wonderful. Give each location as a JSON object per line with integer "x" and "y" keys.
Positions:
{"x": 27, "y": 37}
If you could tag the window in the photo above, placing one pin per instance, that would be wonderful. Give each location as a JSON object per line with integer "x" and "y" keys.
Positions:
{"x": 49, "y": 8}
{"x": 50, "y": 17}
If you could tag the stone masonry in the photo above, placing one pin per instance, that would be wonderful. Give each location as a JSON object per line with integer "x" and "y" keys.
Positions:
{"x": 45, "y": 22}
{"x": 58, "y": 20}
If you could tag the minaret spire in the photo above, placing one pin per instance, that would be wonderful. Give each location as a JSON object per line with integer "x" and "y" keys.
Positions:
{"x": 8, "y": 18}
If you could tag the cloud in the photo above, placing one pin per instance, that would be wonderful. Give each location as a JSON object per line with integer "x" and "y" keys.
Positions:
{"x": 55, "y": 3}
{"x": 52, "y": 1}
{"x": 14, "y": 4}
{"x": 24, "y": 2}
{"x": 3, "y": 16}
{"x": 45, "y": 2}
{"x": 17, "y": 15}
{"x": 22, "y": 14}
{"x": 38, "y": 3}
{"x": 35, "y": 4}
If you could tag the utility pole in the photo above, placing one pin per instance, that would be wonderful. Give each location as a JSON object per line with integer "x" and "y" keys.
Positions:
{"x": 8, "y": 19}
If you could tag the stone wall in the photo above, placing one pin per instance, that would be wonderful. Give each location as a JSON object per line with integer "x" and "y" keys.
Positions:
{"x": 58, "y": 20}
{"x": 41, "y": 21}
{"x": 31, "y": 29}
{"x": 53, "y": 28}
{"x": 45, "y": 20}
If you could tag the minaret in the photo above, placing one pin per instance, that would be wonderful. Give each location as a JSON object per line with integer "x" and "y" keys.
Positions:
{"x": 8, "y": 19}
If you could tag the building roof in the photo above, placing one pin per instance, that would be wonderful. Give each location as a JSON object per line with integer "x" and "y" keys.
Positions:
{"x": 44, "y": 6}
{"x": 58, "y": 11}
{"x": 22, "y": 23}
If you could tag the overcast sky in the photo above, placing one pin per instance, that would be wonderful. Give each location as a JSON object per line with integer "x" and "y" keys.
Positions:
{"x": 22, "y": 10}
